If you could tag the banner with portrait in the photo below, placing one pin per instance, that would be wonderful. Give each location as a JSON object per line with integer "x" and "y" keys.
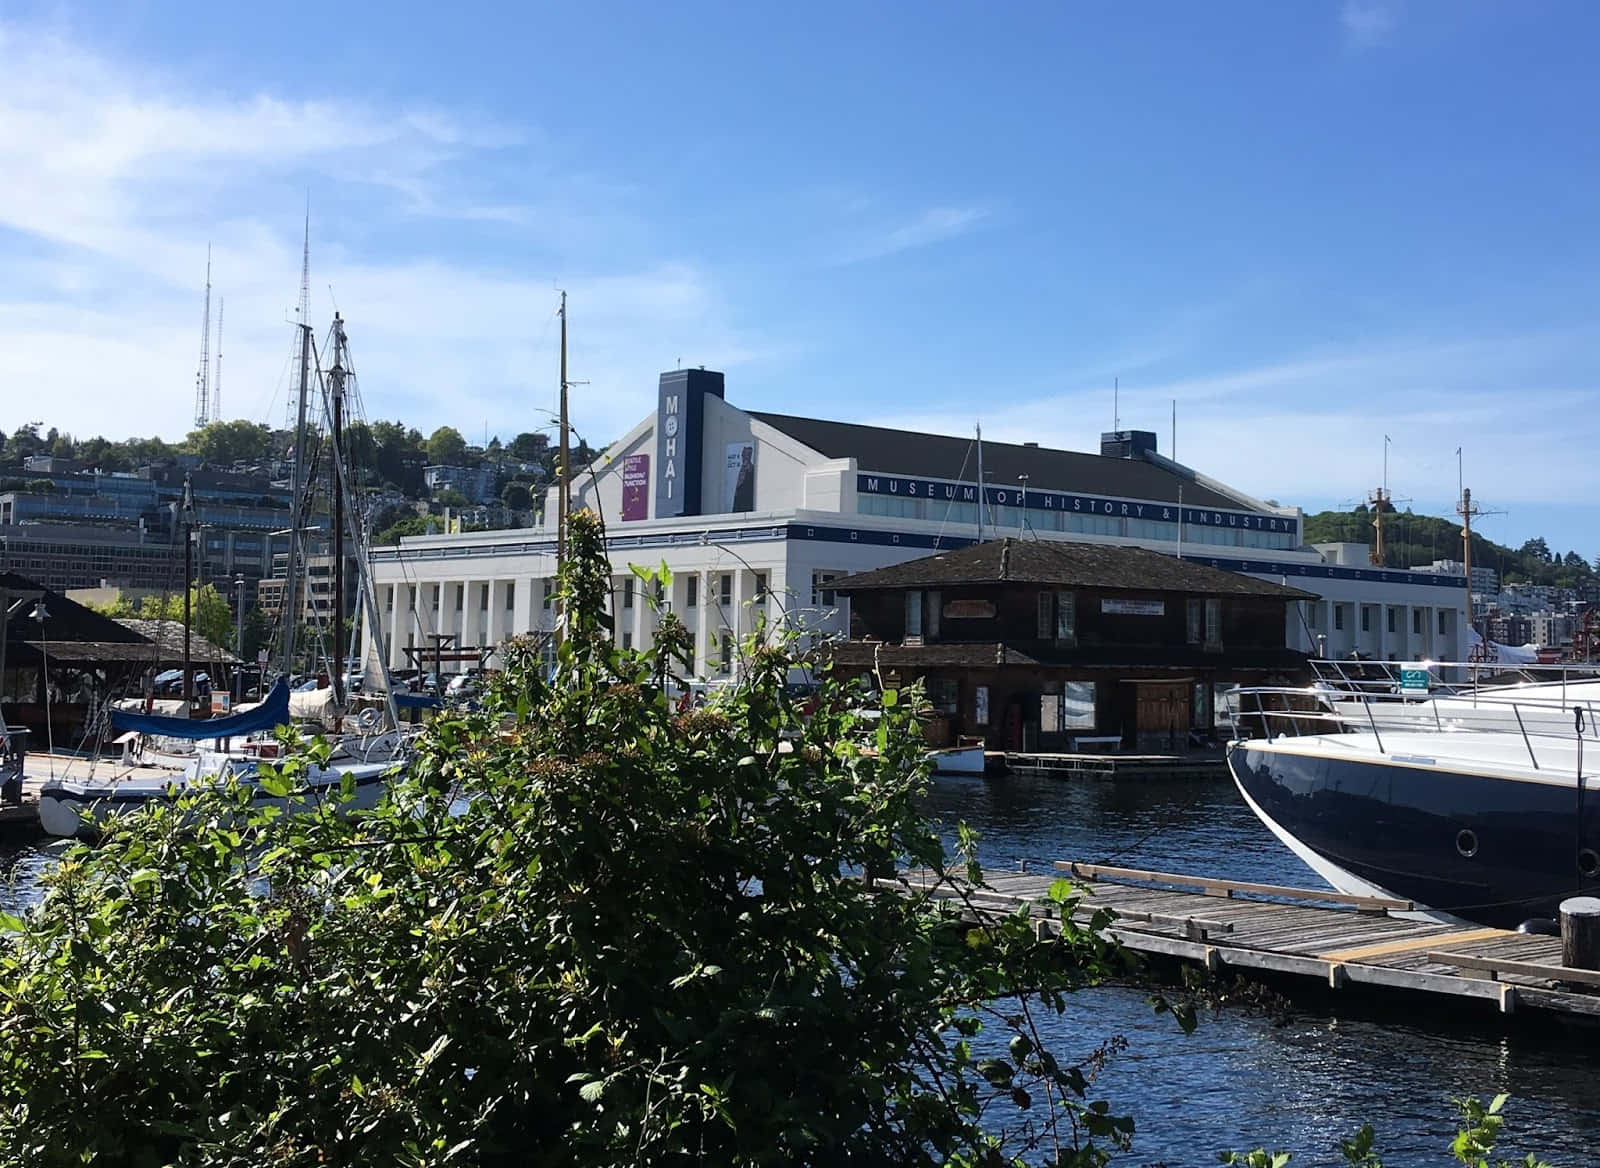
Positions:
{"x": 739, "y": 477}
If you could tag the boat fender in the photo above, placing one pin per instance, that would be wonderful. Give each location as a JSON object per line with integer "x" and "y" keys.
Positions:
{"x": 1540, "y": 926}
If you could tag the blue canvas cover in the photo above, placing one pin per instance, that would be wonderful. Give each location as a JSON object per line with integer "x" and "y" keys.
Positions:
{"x": 273, "y": 711}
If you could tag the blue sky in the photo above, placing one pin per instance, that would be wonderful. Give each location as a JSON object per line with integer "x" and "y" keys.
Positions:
{"x": 1309, "y": 224}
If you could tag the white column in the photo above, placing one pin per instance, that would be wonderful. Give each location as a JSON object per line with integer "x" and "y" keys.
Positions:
{"x": 641, "y": 606}
{"x": 522, "y": 609}
{"x": 467, "y": 631}
{"x": 399, "y": 620}
{"x": 739, "y": 618}
{"x": 703, "y": 624}
{"x": 497, "y": 611}
{"x": 1328, "y": 634}
{"x": 778, "y": 602}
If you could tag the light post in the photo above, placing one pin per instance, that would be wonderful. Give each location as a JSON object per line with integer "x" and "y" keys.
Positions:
{"x": 1022, "y": 517}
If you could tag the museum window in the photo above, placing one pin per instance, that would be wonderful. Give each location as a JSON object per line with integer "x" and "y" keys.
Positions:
{"x": 725, "y": 589}
{"x": 627, "y": 593}
{"x": 691, "y": 591}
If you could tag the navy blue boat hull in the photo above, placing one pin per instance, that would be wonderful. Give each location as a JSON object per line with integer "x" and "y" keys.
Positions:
{"x": 1496, "y": 851}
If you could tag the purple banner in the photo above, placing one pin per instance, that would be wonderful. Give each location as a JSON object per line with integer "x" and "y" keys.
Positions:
{"x": 636, "y": 487}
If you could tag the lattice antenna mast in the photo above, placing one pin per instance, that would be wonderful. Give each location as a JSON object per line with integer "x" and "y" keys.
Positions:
{"x": 216, "y": 381}
{"x": 202, "y": 378}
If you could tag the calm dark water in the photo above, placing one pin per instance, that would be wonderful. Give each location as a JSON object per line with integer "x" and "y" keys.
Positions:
{"x": 1244, "y": 1079}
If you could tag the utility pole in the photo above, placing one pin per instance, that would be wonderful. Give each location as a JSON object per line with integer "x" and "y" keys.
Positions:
{"x": 563, "y": 468}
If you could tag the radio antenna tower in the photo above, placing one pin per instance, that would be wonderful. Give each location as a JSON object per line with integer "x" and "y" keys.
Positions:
{"x": 216, "y": 383}
{"x": 202, "y": 379}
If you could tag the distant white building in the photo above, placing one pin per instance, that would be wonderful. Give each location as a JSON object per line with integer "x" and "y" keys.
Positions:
{"x": 476, "y": 483}
{"x": 756, "y": 513}
{"x": 1485, "y": 581}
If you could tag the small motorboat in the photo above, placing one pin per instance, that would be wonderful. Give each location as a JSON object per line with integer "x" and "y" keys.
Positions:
{"x": 958, "y": 760}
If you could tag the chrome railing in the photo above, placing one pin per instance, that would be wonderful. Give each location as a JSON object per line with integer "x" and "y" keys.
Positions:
{"x": 1271, "y": 712}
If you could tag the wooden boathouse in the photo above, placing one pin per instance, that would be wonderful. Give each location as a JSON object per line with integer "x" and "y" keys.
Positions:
{"x": 1060, "y": 646}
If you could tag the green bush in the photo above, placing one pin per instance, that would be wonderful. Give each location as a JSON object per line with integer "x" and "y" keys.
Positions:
{"x": 587, "y": 928}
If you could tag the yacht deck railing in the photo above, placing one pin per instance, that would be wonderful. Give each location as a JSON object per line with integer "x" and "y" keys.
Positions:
{"x": 1322, "y": 709}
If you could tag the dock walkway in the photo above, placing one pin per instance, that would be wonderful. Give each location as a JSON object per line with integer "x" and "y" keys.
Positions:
{"x": 1194, "y": 765}
{"x": 1322, "y": 936}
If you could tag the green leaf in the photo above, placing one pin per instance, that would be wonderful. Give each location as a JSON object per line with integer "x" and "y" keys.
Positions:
{"x": 891, "y": 698}
{"x": 274, "y": 784}
{"x": 592, "y": 1091}
{"x": 11, "y": 923}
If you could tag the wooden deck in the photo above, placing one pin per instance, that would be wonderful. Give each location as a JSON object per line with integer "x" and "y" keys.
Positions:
{"x": 1316, "y": 936}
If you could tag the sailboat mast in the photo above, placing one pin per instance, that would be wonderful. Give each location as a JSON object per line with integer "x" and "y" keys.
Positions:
{"x": 336, "y": 403}
{"x": 980, "y": 482}
{"x": 188, "y": 595}
{"x": 292, "y": 571}
{"x": 564, "y": 469}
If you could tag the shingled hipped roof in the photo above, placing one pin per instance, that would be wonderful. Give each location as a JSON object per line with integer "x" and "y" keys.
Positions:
{"x": 942, "y": 456}
{"x": 1065, "y": 563}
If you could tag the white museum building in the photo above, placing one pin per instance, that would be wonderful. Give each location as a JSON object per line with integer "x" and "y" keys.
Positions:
{"x": 757, "y": 513}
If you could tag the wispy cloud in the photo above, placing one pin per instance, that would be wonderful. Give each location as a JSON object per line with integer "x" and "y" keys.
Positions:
{"x": 934, "y": 225}
{"x": 118, "y": 177}
{"x": 1366, "y": 24}
{"x": 1310, "y": 426}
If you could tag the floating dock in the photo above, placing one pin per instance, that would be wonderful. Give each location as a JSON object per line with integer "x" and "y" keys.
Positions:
{"x": 1323, "y": 937}
{"x": 1200, "y": 765}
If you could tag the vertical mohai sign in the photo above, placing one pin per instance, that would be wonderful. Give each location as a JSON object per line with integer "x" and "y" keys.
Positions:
{"x": 680, "y": 431}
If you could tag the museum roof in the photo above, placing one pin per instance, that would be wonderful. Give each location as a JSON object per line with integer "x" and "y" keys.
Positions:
{"x": 1066, "y": 563}
{"x": 942, "y": 456}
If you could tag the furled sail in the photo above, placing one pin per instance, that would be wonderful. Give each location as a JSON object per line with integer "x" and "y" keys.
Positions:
{"x": 273, "y": 711}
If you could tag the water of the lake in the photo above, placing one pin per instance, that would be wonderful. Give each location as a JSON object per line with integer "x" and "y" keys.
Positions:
{"x": 1245, "y": 1078}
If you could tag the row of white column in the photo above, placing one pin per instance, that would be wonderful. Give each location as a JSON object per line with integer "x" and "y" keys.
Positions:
{"x": 415, "y": 611}
{"x": 1403, "y": 644}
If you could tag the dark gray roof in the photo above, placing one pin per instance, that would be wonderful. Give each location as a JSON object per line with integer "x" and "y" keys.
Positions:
{"x": 1066, "y": 563}
{"x": 940, "y": 456}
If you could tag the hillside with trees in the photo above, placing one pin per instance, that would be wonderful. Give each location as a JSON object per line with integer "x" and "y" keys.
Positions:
{"x": 1411, "y": 541}
{"x": 386, "y": 456}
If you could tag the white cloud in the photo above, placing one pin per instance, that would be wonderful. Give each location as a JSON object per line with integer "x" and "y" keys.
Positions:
{"x": 934, "y": 225}
{"x": 1366, "y": 24}
{"x": 117, "y": 179}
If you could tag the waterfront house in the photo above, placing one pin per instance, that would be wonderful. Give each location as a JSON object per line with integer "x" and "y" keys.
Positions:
{"x": 1054, "y": 645}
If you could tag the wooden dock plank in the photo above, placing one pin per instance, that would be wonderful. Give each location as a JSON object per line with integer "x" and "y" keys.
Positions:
{"x": 1326, "y": 941}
